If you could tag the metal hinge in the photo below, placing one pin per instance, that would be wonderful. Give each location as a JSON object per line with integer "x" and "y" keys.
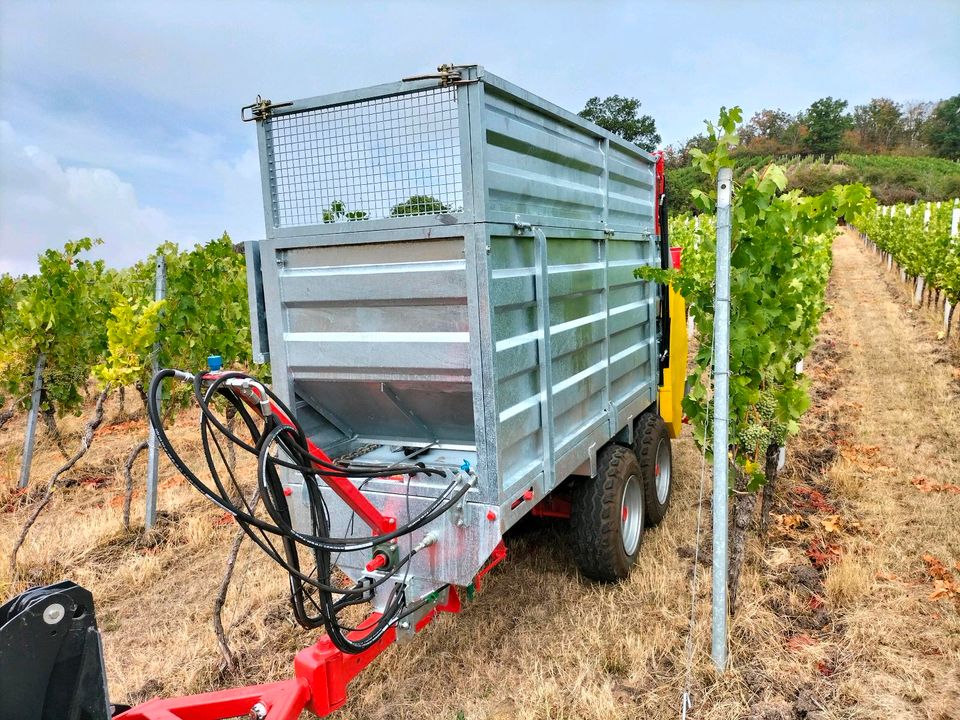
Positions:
{"x": 260, "y": 110}
{"x": 447, "y": 74}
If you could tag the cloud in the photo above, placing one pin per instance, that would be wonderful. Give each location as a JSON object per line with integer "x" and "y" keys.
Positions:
{"x": 44, "y": 203}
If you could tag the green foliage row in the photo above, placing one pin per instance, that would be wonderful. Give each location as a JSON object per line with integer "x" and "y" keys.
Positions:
{"x": 918, "y": 237}
{"x": 87, "y": 320}
{"x": 780, "y": 264}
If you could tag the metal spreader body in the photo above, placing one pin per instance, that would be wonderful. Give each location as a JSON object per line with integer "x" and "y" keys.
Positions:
{"x": 447, "y": 277}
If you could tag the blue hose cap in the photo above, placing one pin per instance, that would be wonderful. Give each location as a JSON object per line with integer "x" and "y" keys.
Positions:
{"x": 466, "y": 466}
{"x": 215, "y": 362}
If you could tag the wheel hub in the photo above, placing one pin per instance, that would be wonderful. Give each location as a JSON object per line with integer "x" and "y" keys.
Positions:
{"x": 662, "y": 471}
{"x": 631, "y": 515}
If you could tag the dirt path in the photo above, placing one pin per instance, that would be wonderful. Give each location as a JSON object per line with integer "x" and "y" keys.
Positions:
{"x": 905, "y": 438}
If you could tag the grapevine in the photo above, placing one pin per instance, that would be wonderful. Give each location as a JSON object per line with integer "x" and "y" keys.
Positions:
{"x": 918, "y": 238}
{"x": 780, "y": 264}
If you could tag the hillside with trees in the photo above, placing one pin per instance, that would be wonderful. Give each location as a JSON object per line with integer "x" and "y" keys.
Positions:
{"x": 905, "y": 152}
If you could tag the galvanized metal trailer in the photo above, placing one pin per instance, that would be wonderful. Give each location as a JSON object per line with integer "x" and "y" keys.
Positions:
{"x": 446, "y": 278}
{"x": 447, "y": 275}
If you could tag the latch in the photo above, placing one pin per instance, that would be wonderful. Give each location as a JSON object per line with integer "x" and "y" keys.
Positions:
{"x": 448, "y": 74}
{"x": 260, "y": 110}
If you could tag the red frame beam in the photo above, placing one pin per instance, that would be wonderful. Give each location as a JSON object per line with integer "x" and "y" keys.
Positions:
{"x": 322, "y": 673}
{"x": 553, "y": 506}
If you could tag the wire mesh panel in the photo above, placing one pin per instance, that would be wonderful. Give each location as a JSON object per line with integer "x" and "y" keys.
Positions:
{"x": 387, "y": 157}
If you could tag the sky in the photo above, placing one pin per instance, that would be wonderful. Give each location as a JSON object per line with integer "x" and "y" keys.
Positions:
{"x": 121, "y": 120}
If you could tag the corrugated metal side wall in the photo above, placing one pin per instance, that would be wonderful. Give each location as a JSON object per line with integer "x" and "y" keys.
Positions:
{"x": 589, "y": 204}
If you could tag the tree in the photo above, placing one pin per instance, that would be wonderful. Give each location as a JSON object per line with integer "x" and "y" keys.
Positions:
{"x": 942, "y": 130}
{"x": 826, "y": 121}
{"x": 621, "y": 116}
{"x": 915, "y": 117}
{"x": 879, "y": 122}
{"x": 419, "y": 205}
{"x": 771, "y": 124}
{"x": 770, "y": 132}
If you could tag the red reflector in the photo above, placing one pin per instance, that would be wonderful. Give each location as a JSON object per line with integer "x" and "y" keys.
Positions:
{"x": 675, "y": 253}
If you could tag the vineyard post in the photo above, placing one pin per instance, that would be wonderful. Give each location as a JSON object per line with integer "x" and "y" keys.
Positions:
{"x": 31, "y": 434}
{"x": 921, "y": 281}
{"x": 948, "y": 307}
{"x": 721, "y": 392}
{"x": 893, "y": 213}
{"x": 153, "y": 454}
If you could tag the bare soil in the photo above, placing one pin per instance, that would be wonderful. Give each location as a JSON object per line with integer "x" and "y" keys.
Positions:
{"x": 845, "y": 609}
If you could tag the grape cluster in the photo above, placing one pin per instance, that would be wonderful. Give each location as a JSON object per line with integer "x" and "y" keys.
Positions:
{"x": 766, "y": 406}
{"x": 778, "y": 433}
{"x": 754, "y": 435}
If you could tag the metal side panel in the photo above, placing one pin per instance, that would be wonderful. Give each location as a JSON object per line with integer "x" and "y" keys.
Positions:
{"x": 632, "y": 326}
{"x": 630, "y": 193}
{"x": 378, "y": 337}
{"x": 539, "y": 166}
{"x": 573, "y": 336}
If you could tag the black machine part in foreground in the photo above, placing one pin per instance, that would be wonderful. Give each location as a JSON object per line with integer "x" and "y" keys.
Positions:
{"x": 51, "y": 658}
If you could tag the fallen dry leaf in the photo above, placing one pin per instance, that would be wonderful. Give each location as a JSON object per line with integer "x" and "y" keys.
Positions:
{"x": 790, "y": 522}
{"x": 812, "y": 500}
{"x": 800, "y": 641}
{"x": 944, "y": 589}
{"x": 936, "y": 569}
{"x": 832, "y": 523}
{"x": 926, "y": 486}
{"x": 822, "y": 554}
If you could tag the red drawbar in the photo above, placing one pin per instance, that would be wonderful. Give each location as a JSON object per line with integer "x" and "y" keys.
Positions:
{"x": 322, "y": 675}
{"x": 283, "y": 701}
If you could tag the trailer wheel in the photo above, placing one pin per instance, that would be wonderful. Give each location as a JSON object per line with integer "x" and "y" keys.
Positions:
{"x": 607, "y": 518}
{"x": 651, "y": 443}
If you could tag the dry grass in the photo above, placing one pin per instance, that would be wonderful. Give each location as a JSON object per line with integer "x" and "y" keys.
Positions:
{"x": 855, "y": 638}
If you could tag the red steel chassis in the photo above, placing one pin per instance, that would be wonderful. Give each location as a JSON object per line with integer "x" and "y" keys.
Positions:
{"x": 321, "y": 671}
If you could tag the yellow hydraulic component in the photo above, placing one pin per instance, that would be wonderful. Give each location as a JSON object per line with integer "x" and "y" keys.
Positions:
{"x": 675, "y": 375}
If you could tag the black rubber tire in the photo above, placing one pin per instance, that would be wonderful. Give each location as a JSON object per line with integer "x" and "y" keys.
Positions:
{"x": 648, "y": 433}
{"x": 595, "y": 525}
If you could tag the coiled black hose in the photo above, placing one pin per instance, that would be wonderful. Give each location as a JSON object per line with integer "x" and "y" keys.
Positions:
{"x": 315, "y": 588}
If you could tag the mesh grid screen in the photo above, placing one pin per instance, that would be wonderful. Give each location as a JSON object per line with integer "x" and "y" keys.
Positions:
{"x": 387, "y": 157}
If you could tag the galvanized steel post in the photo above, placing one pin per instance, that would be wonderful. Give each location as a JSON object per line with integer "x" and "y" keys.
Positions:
{"x": 721, "y": 402}
{"x": 153, "y": 454}
{"x": 31, "y": 434}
